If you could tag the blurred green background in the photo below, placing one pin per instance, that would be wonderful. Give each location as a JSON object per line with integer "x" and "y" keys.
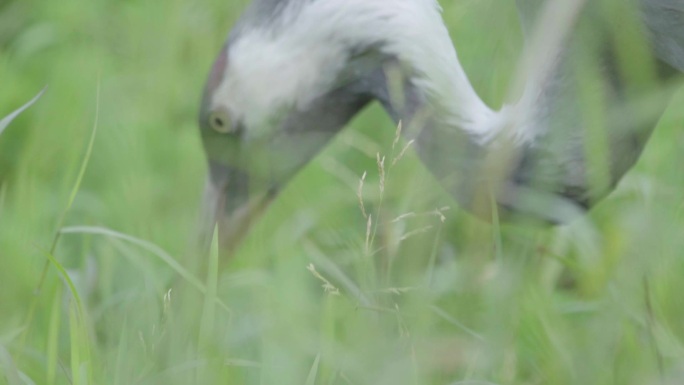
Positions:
{"x": 456, "y": 302}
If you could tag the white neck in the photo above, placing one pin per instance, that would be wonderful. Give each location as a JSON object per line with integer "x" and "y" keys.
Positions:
{"x": 299, "y": 59}
{"x": 413, "y": 31}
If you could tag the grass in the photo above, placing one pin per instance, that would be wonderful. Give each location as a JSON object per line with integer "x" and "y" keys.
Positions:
{"x": 319, "y": 293}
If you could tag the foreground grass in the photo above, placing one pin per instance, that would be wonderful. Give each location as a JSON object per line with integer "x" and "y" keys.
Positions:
{"x": 419, "y": 301}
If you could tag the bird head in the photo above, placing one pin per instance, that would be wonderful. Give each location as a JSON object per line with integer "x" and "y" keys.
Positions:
{"x": 275, "y": 96}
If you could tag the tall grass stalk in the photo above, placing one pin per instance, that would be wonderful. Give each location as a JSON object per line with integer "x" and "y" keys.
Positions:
{"x": 60, "y": 223}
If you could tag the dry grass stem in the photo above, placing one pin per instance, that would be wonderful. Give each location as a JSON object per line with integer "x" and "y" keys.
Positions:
{"x": 404, "y": 237}
{"x": 381, "y": 170}
{"x": 436, "y": 212}
{"x": 410, "y": 234}
{"x": 402, "y": 152}
{"x": 403, "y": 216}
{"x": 397, "y": 135}
{"x": 359, "y": 194}
{"x": 440, "y": 213}
{"x": 369, "y": 225}
{"x": 166, "y": 310}
{"x": 327, "y": 286}
{"x": 398, "y": 290}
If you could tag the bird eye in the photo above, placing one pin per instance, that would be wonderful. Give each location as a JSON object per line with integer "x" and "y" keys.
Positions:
{"x": 219, "y": 121}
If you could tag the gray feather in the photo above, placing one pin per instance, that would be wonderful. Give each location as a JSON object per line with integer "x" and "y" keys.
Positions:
{"x": 665, "y": 22}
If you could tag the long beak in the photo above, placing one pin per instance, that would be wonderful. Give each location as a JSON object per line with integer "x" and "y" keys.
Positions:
{"x": 229, "y": 205}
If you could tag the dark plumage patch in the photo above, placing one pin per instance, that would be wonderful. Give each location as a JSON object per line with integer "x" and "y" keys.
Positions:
{"x": 217, "y": 71}
{"x": 213, "y": 81}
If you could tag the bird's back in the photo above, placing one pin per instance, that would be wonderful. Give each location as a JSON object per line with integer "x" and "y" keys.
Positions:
{"x": 590, "y": 113}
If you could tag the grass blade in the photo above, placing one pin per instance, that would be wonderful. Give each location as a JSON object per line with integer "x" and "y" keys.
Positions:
{"x": 209, "y": 311}
{"x": 65, "y": 276}
{"x": 60, "y": 223}
{"x": 76, "y": 187}
{"x": 9, "y": 118}
{"x": 313, "y": 373}
{"x": 53, "y": 337}
{"x": 81, "y": 171}
{"x": 74, "y": 328}
{"x": 121, "y": 356}
{"x": 152, "y": 248}
{"x": 11, "y": 373}
{"x": 80, "y": 351}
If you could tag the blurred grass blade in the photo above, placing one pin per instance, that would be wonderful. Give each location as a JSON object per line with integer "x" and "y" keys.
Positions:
{"x": 122, "y": 355}
{"x": 313, "y": 373}
{"x": 8, "y": 337}
{"x": 9, "y": 118}
{"x": 237, "y": 362}
{"x": 72, "y": 196}
{"x": 209, "y": 311}
{"x": 152, "y": 248}
{"x": 319, "y": 258}
{"x": 53, "y": 337}
{"x": 62, "y": 271}
{"x": 81, "y": 171}
{"x": 77, "y": 185}
{"x": 75, "y": 344}
{"x": 11, "y": 373}
{"x": 148, "y": 246}
{"x": 445, "y": 316}
{"x": 80, "y": 344}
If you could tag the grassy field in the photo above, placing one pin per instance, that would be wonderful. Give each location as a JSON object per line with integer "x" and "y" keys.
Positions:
{"x": 443, "y": 299}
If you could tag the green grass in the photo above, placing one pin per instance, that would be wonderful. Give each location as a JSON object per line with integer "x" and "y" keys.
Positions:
{"x": 456, "y": 302}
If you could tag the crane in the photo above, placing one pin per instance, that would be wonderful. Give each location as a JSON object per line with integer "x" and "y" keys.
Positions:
{"x": 292, "y": 73}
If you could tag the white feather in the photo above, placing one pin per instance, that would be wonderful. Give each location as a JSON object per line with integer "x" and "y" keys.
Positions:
{"x": 292, "y": 64}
